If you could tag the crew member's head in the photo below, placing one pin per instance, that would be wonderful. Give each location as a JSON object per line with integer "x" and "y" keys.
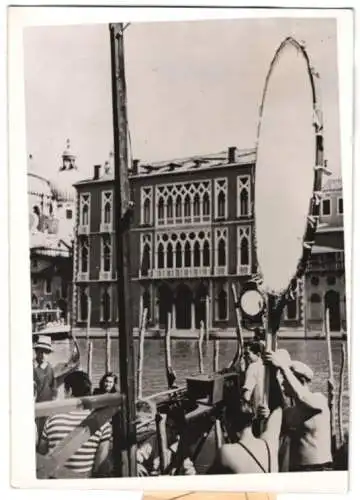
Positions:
{"x": 253, "y": 351}
{"x": 42, "y": 349}
{"x": 239, "y": 415}
{"x": 77, "y": 384}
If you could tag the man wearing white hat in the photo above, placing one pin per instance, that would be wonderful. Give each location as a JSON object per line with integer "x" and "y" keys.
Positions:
{"x": 43, "y": 375}
{"x": 308, "y": 421}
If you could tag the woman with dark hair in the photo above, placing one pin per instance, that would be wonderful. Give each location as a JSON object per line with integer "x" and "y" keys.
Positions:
{"x": 248, "y": 454}
{"x": 107, "y": 384}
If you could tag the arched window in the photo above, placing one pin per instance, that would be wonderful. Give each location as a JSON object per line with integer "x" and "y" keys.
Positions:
{"x": 51, "y": 208}
{"x": 161, "y": 209}
{"x": 178, "y": 255}
{"x": 244, "y": 202}
{"x": 315, "y": 298}
{"x": 36, "y": 210}
{"x": 206, "y": 204}
{"x": 206, "y": 254}
{"x": 85, "y": 215}
{"x": 244, "y": 252}
{"x": 105, "y": 304}
{"x": 197, "y": 254}
{"x": 315, "y": 281}
{"x": 221, "y": 204}
{"x": 331, "y": 280}
{"x": 169, "y": 256}
{"x": 106, "y": 254}
{"x": 222, "y": 305}
{"x": 83, "y": 305}
{"x": 291, "y": 309}
{"x": 315, "y": 307}
{"x": 84, "y": 256}
{"x": 187, "y": 206}
{"x": 160, "y": 256}
{"x": 196, "y": 205}
{"x": 145, "y": 264}
{"x": 147, "y": 211}
{"x": 146, "y": 301}
{"x": 187, "y": 254}
{"x": 178, "y": 207}
{"x": 107, "y": 213}
{"x": 221, "y": 253}
{"x": 169, "y": 208}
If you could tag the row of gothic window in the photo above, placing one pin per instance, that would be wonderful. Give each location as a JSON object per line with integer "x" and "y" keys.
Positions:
{"x": 330, "y": 280}
{"x": 170, "y": 255}
{"x": 186, "y": 209}
{"x": 106, "y": 208}
{"x": 194, "y": 208}
{"x": 84, "y": 253}
{"x": 105, "y": 304}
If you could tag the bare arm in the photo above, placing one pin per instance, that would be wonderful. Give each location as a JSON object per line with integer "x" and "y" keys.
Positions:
{"x": 250, "y": 382}
{"x": 43, "y": 446}
{"x": 302, "y": 394}
{"x": 43, "y": 443}
{"x": 101, "y": 457}
{"x": 271, "y": 433}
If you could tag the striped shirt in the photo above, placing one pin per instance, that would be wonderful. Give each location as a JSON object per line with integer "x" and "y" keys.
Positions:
{"x": 59, "y": 426}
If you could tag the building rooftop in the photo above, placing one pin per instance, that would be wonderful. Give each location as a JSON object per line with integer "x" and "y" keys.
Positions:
{"x": 333, "y": 185}
{"x": 321, "y": 249}
{"x": 231, "y": 157}
{"x": 328, "y": 228}
{"x": 48, "y": 242}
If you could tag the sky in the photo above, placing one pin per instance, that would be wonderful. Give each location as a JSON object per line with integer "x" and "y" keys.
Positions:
{"x": 192, "y": 87}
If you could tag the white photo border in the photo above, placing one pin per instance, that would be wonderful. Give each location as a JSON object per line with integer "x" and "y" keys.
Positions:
{"x": 22, "y": 452}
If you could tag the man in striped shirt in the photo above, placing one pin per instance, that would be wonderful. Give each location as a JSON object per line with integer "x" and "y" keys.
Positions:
{"x": 91, "y": 457}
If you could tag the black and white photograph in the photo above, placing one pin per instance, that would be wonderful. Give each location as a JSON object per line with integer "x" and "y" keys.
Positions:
{"x": 187, "y": 256}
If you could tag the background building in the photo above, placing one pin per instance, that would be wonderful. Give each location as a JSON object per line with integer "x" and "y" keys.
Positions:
{"x": 192, "y": 236}
{"x": 325, "y": 277}
{"x": 51, "y": 234}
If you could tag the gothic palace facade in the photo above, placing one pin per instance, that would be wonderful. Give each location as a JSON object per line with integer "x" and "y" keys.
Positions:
{"x": 191, "y": 237}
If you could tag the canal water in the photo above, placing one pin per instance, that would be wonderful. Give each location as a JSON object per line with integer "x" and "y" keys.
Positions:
{"x": 185, "y": 361}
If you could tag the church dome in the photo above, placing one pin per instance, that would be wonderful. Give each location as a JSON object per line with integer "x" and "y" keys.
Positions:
{"x": 38, "y": 185}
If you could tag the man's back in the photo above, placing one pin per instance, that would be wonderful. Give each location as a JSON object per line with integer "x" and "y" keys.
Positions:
{"x": 254, "y": 457}
{"x": 59, "y": 426}
{"x": 254, "y": 382}
{"x": 311, "y": 441}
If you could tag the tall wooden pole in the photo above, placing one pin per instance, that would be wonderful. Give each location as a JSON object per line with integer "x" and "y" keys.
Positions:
{"x": 127, "y": 467}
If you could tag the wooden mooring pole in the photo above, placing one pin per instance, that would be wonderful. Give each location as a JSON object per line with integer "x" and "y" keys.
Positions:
{"x": 141, "y": 353}
{"x": 125, "y": 445}
{"x": 218, "y": 431}
{"x": 89, "y": 345}
{"x": 108, "y": 350}
{"x": 200, "y": 347}
{"x": 341, "y": 391}
{"x": 330, "y": 382}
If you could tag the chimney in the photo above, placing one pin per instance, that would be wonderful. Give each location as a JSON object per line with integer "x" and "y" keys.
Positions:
{"x": 97, "y": 172}
{"x": 231, "y": 154}
{"x": 135, "y": 164}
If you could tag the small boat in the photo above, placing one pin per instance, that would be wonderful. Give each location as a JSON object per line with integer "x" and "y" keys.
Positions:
{"x": 49, "y": 322}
